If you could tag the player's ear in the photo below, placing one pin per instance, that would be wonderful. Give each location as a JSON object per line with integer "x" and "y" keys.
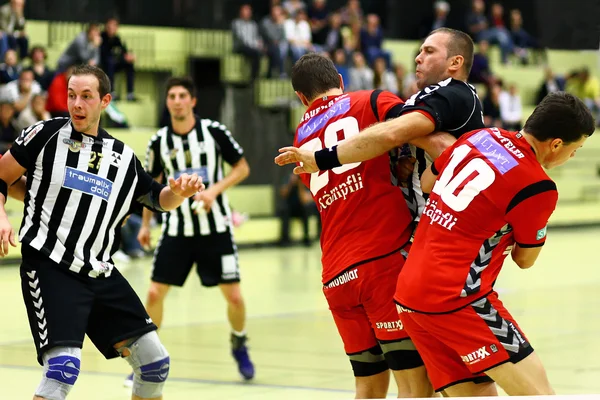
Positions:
{"x": 302, "y": 98}
{"x": 106, "y": 100}
{"x": 555, "y": 144}
{"x": 341, "y": 82}
{"x": 457, "y": 63}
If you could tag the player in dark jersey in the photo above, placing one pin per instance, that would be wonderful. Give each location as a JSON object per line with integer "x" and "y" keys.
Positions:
{"x": 492, "y": 198}
{"x": 446, "y": 103}
{"x": 365, "y": 234}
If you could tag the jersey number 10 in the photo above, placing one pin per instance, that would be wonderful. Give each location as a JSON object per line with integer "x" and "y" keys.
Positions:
{"x": 346, "y": 128}
{"x": 448, "y": 184}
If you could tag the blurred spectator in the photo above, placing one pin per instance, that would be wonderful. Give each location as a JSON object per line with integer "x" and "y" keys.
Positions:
{"x": 129, "y": 231}
{"x": 21, "y": 91}
{"x": 400, "y": 74}
{"x": 12, "y": 25}
{"x": 298, "y": 34}
{"x": 8, "y": 131}
{"x": 42, "y": 74}
{"x": 10, "y": 69}
{"x": 384, "y": 79}
{"x": 115, "y": 57}
{"x": 491, "y": 105}
{"x": 318, "y": 16}
{"x": 340, "y": 62}
{"x": 590, "y": 92}
{"x": 523, "y": 40}
{"x": 334, "y": 39}
{"x": 361, "y": 76}
{"x": 480, "y": 71}
{"x": 479, "y": 29}
{"x": 247, "y": 40}
{"x": 57, "y": 101}
{"x": 292, "y": 7}
{"x": 272, "y": 27}
{"x": 84, "y": 49}
{"x": 511, "y": 109}
{"x": 295, "y": 202}
{"x": 441, "y": 9}
{"x": 371, "y": 41}
{"x": 35, "y": 112}
{"x": 551, "y": 84}
{"x": 352, "y": 13}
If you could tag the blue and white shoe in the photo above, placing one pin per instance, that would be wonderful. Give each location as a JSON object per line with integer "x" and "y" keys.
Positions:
{"x": 128, "y": 382}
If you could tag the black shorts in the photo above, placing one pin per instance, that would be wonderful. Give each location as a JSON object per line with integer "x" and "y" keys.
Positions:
{"x": 63, "y": 306}
{"x": 215, "y": 257}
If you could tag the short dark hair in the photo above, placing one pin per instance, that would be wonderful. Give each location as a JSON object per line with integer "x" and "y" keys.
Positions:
{"x": 92, "y": 25}
{"x": 184, "y": 81}
{"x": 314, "y": 74}
{"x": 460, "y": 44}
{"x": 103, "y": 81}
{"x": 560, "y": 116}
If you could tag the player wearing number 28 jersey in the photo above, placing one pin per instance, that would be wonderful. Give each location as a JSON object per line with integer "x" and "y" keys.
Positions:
{"x": 491, "y": 198}
{"x": 366, "y": 228}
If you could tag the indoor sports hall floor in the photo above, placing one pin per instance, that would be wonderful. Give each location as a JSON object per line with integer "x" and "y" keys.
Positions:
{"x": 293, "y": 340}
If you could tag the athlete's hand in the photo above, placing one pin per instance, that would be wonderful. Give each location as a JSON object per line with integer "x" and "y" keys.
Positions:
{"x": 293, "y": 155}
{"x": 404, "y": 169}
{"x": 205, "y": 199}
{"x": 7, "y": 235}
{"x": 144, "y": 237}
{"x": 186, "y": 185}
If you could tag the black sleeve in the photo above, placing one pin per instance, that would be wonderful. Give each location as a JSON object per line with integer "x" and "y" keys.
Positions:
{"x": 32, "y": 140}
{"x": 153, "y": 165}
{"x": 450, "y": 104}
{"x": 230, "y": 149}
{"x": 147, "y": 190}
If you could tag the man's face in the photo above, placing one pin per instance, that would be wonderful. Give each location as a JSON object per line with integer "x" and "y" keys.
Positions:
{"x": 432, "y": 60}
{"x": 84, "y": 102}
{"x": 112, "y": 26}
{"x": 562, "y": 152}
{"x": 25, "y": 81}
{"x": 180, "y": 103}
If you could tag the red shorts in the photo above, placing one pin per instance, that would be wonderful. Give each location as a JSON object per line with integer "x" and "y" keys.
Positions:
{"x": 362, "y": 303}
{"x": 459, "y": 346}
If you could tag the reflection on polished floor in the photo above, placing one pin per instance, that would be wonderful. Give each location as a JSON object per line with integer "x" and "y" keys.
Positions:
{"x": 293, "y": 341}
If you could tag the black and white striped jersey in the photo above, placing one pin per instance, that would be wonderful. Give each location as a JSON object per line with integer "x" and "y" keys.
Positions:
{"x": 79, "y": 190}
{"x": 203, "y": 151}
{"x": 454, "y": 107}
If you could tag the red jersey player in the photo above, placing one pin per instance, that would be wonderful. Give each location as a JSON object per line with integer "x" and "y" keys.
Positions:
{"x": 491, "y": 198}
{"x": 366, "y": 231}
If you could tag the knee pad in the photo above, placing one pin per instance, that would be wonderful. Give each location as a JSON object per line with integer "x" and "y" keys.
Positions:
{"x": 401, "y": 355}
{"x": 150, "y": 362}
{"x": 369, "y": 362}
{"x": 61, "y": 369}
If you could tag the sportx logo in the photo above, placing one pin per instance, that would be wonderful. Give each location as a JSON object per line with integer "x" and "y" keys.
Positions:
{"x": 476, "y": 356}
{"x": 390, "y": 325}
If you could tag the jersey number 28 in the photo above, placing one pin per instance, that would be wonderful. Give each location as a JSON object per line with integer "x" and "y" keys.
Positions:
{"x": 346, "y": 128}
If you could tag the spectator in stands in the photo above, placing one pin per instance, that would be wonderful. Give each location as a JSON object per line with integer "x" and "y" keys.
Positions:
{"x": 318, "y": 18}
{"x": 352, "y": 13}
{"x": 41, "y": 72}
{"x": 298, "y": 34}
{"x": 441, "y": 9}
{"x": 8, "y": 131}
{"x": 292, "y": 7}
{"x": 361, "y": 76}
{"x": 590, "y": 92}
{"x": 334, "y": 39}
{"x": 384, "y": 79}
{"x": 371, "y": 41}
{"x": 36, "y": 111}
{"x": 480, "y": 71}
{"x": 295, "y": 202}
{"x": 491, "y": 105}
{"x": 273, "y": 32}
{"x": 10, "y": 69}
{"x": 56, "y": 103}
{"x": 247, "y": 40}
{"x": 479, "y": 29}
{"x": 115, "y": 57}
{"x": 523, "y": 41}
{"x": 12, "y": 25}
{"x": 21, "y": 91}
{"x": 551, "y": 84}
{"x": 511, "y": 109}
{"x": 341, "y": 64}
{"x": 84, "y": 49}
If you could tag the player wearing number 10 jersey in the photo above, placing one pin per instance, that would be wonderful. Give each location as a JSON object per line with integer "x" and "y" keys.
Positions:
{"x": 492, "y": 198}
{"x": 366, "y": 231}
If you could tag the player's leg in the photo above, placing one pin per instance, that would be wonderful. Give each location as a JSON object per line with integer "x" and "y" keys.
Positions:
{"x": 119, "y": 326}
{"x": 524, "y": 378}
{"x": 57, "y": 322}
{"x": 155, "y": 301}
{"x": 236, "y": 309}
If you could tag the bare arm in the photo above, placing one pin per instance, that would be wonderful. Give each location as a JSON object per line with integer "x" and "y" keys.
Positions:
{"x": 17, "y": 190}
{"x": 428, "y": 180}
{"x": 238, "y": 173}
{"x": 434, "y": 144}
{"x": 525, "y": 257}
{"x": 10, "y": 171}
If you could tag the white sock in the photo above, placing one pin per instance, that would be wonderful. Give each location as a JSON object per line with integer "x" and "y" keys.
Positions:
{"x": 239, "y": 334}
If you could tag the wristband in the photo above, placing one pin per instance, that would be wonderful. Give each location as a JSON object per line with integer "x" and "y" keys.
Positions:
{"x": 327, "y": 158}
{"x": 4, "y": 189}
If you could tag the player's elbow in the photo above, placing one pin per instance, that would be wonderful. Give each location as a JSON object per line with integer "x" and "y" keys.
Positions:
{"x": 523, "y": 262}
{"x": 243, "y": 168}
